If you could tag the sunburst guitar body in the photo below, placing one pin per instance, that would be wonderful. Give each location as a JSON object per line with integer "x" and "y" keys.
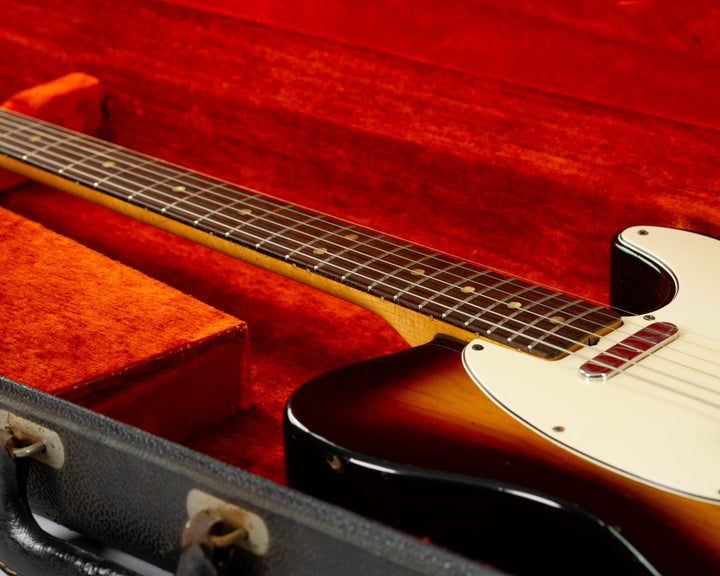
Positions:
{"x": 611, "y": 453}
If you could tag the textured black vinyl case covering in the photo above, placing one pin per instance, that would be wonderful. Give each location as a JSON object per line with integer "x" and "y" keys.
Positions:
{"x": 128, "y": 489}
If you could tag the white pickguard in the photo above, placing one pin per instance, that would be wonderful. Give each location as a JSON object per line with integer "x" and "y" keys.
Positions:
{"x": 658, "y": 421}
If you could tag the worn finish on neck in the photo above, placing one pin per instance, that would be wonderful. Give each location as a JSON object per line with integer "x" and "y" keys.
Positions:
{"x": 420, "y": 292}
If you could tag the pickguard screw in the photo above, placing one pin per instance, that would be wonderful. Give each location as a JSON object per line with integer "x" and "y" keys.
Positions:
{"x": 648, "y": 317}
{"x": 643, "y": 232}
{"x": 477, "y": 347}
{"x": 558, "y": 428}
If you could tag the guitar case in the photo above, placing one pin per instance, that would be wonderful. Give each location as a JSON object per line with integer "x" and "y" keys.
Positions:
{"x": 497, "y": 134}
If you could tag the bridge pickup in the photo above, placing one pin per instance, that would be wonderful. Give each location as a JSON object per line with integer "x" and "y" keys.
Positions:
{"x": 628, "y": 352}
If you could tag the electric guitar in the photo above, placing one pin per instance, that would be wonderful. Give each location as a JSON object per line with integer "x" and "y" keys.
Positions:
{"x": 562, "y": 400}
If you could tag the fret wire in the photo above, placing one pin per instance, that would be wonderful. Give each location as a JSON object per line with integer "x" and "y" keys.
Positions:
{"x": 216, "y": 210}
{"x": 251, "y": 222}
{"x": 533, "y": 303}
{"x": 475, "y": 294}
{"x": 394, "y": 272}
{"x": 555, "y": 329}
{"x": 60, "y": 140}
{"x": 505, "y": 301}
{"x": 293, "y": 227}
{"x": 427, "y": 278}
{"x": 56, "y": 143}
{"x": 372, "y": 261}
{"x": 485, "y": 291}
{"x": 124, "y": 171}
{"x": 14, "y": 130}
{"x": 146, "y": 188}
{"x": 465, "y": 281}
{"x": 320, "y": 239}
{"x": 450, "y": 286}
{"x": 195, "y": 194}
{"x": 397, "y": 249}
{"x": 346, "y": 250}
{"x": 602, "y": 310}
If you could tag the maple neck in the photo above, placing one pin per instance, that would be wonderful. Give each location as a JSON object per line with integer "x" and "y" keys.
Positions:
{"x": 444, "y": 290}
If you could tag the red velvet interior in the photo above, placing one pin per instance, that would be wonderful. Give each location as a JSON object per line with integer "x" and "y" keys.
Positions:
{"x": 527, "y": 181}
{"x": 655, "y": 56}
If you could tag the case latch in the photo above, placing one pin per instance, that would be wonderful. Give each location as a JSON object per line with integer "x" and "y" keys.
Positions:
{"x": 215, "y": 531}
{"x": 33, "y": 440}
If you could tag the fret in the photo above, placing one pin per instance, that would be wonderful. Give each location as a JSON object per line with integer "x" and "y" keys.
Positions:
{"x": 444, "y": 301}
{"x": 220, "y": 196}
{"x": 280, "y": 231}
{"x": 335, "y": 252}
{"x": 10, "y": 124}
{"x": 473, "y": 292}
{"x": 416, "y": 282}
{"x": 313, "y": 248}
{"x": 394, "y": 276}
{"x": 441, "y": 284}
{"x": 25, "y": 142}
{"x": 339, "y": 271}
{"x": 292, "y": 233}
{"x": 485, "y": 300}
{"x": 566, "y": 333}
{"x": 327, "y": 243}
{"x": 377, "y": 266}
{"x": 512, "y": 315}
{"x": 352, "y": 265}
{"x": 49, "y": 146}
{"x": 271, "y": 223}
{"x": 508, "y": 310}
{"x": 218, "y": 212}
{"x": 181, "y": 196}
{"x": 513, "y": 301}
{"x": 527, "y": 315}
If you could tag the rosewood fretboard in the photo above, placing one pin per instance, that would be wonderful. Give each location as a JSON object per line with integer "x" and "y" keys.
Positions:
{"x": 473, "y": 299}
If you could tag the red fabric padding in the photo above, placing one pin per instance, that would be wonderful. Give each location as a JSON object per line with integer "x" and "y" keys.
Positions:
{"x": 73, "y": 101}
{"x": 660, "y": 57}
{"x": 84, "y": 327}
{"x": 81, "y": 326}
{"x": 523, "y": 180}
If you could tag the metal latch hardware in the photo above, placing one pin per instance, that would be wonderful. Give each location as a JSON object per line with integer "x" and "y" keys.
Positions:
{"x": 31, "y": 440}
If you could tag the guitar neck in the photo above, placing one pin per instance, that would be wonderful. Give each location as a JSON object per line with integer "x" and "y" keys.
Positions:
{"x": 420, "y": 292}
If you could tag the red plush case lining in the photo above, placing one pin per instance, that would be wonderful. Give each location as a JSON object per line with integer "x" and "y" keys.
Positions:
{"x": 523, "y": 180}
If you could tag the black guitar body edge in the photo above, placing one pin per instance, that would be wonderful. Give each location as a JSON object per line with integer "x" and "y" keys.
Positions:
{"x": 517, "y": 529}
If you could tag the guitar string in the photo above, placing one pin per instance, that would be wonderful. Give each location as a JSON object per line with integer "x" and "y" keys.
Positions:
{"x": 184, "y": 173}
{"x": 238, "y": 223}
{"x": 106, "y": 149}
{"x": 405, "y": 247}
{"x": 467, "y": 302}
